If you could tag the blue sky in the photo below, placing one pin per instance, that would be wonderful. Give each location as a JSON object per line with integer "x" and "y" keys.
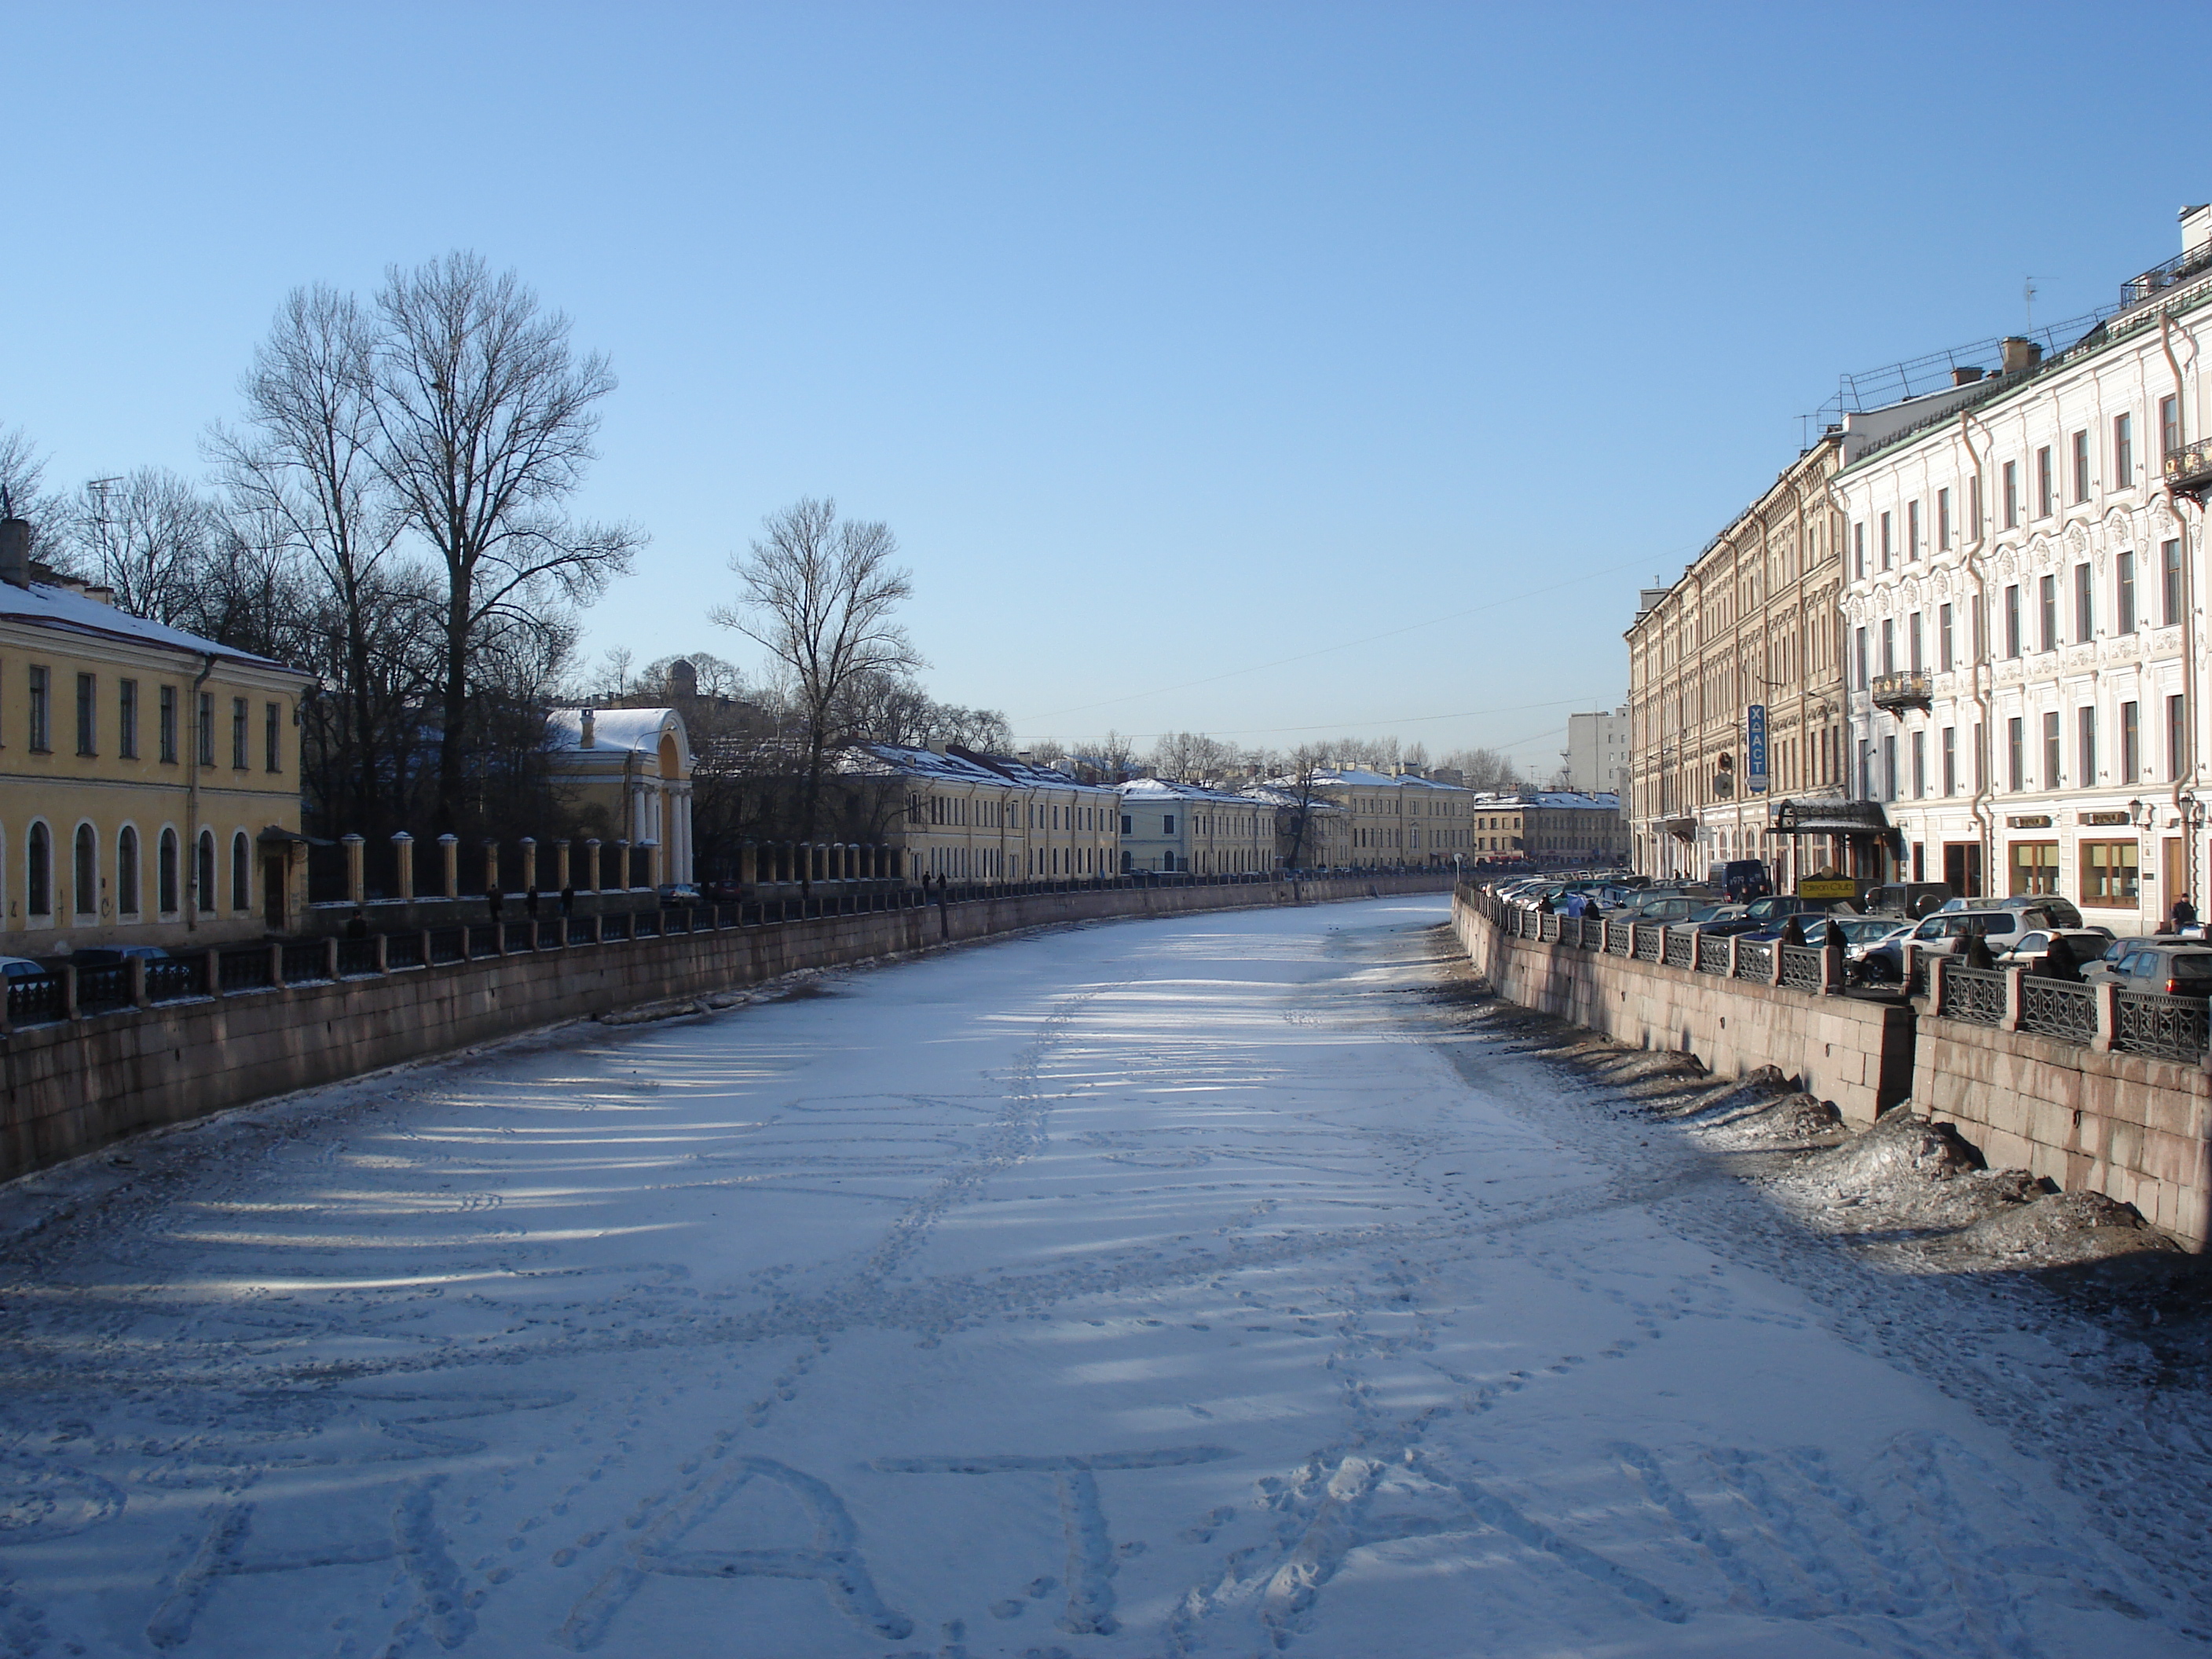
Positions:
{"x": 1276, "y": 371}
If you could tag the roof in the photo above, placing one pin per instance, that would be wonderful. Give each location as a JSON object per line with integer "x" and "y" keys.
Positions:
{"x": 1167, "y": 789}
{"x": 1577, "y": 799}
{"x": 44, "y": 605}
{"x": 618, "y": 729}
{"x": 1356, "y": 777}
{"x": 911, "y": 761}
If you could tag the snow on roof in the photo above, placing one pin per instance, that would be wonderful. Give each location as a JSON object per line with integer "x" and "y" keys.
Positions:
{"x": 915, "y": 762}
{"x": 44, "y": 605}
{"x": 1588, "y": 801}
{"x": 1167, "y": 789}
{"x": 1356, "y": 777}
{"x": 638, "y": 729}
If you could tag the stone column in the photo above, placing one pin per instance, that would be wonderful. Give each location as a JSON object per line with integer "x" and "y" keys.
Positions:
{"x": 491, "y": 864}
{"x": 402, "y": 855}
{"x": 561, "y": 865}
{"x": 591, "y": 864}
{"x": 748, "y": 865}
{"x": 1832, "y": 967}
{"x": 2107, "y": 994}
{"x": 1939, "y": 970}
{"x": 622, "y": 863}
{"x": 449, "y": 845}
{"x": 1734, "y": 940}
{"x": 529, "y": 862}
{"x": 2013, "y": 993}
{"x": 356, "y": 881}
{"x": 656, "y": 867}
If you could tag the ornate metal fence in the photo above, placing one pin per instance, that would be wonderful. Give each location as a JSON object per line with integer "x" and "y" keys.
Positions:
{"x": 2059, "y": 1008}
{"x": 1975, "y": 994}
{"x": 304, "y": 962}
{"x": 1712, "y": 953}
{"x": 103, "y": 990}
{"x": 2172, "y": 1027}
{"x": 1801, "y": 967}
{"x": 402, "y": 949}
{"x": 245, "y": 970}
{"x": 34, "y": 998}
{"x": 1754, "y": 960}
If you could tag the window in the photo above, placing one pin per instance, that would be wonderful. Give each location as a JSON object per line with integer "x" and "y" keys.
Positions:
{"x": 1942, "y": 520}
{"x": 126, "y": 719}
{"x": 2047, "y": 592}
{"x": 2012, "y": 621}
{"x": 2084, "y": 599}
{"x": 1866, "y": 769}
{"x": 1943, "y": 638}
{"x": 2109, "y": 873}
{"x": 241, "y": 873}
{"x": 1889, "y": 645}
{"x": 38, "y": 872}
{"x": 271, "y": 741}
{"x": 2131, "y": 743}
{"x": 203, "y": 874}
{"x": 1858, "y": 552}
{"x": 1919, "y": 765}
{"x": 2012, "y": 495}
{"x": 1887, "y": 550}
{"x": 2123, "y": 451}
{"x": 40, "y": 728}
{"x": 1127, "y": 823}
{"x": 2081, "y": 466}
{"x": 1950, "y": 760}
{"x": 1911, "y": 530}
{"x": 88, "y": 714}
{"x": 2169, "y": 427}
{"x": 205, "y": 744}
{"x": 2053, "y": 769}
{"x": 126, "y": 872}
{"x": 2015, "y": 779}
{"x": 1859, "y": 659}
{"x": 165, "y": 874}
{"x": 2085, "y": 747}
{"x": 2169, "y": 571}
{"x": 1913, "y": 660}
{"x": 2123, "y": 593}
{"x": 167, "y": 718}
{"x": 2034, "y": 867}
{"x": 238, "y": 732}
{"x": 2176, "y": 737}
{"x": 2045, "y": 485}
{"x": 1167, "y": 824}
{"x": 85, "y": 874}
{"x": 1889, "y": 766}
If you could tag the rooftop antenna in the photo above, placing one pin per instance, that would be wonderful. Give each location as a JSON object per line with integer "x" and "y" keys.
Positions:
{"x": 2027, "y": 295}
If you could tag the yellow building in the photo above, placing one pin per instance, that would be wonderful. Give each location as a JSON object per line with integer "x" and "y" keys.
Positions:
{"x": 1398, "y": 818}
{"x": 149, "y": 779}
{"x": 970, "y": 816}
{"x": 626, "y": 776}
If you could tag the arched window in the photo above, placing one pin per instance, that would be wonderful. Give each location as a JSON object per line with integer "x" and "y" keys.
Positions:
{"x": 38, "y": 872}
{"x": 126, "y": 872}
{"x": 203, "y": 877}
{"x": 85, "y": 871}
{"x": 241, "y": 873}
{"x": 166, "y": 874}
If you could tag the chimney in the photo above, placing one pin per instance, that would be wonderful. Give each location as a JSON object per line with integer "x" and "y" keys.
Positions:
{"x": 2020, "y": 354}
{"x": 1966, "y": 376}
{"x": 2196, "y": 227}
{"x": 591, "y": 738}
{"x": 15, "y": 552}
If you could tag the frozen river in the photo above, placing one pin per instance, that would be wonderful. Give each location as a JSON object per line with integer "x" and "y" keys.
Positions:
{"x": 1188, "y": 1287}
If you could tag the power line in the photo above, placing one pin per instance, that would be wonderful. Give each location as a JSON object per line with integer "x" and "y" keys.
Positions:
{"x": 1407, "y": 719}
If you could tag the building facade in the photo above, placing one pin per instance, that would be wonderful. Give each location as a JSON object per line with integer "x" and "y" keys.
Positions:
{"x": 974, "y": 817}
{"x": 1551, "y": 826}
{"x": 1754, "y": 623}
{"x": 626, "y": 773}
{"x": 1596, "y": 754}
{"x": 1397, "y": 817}
{"x": 1311, "y": 833}
{"x": 149, "y": 779}
{"x": 2024, "y": 611}
{"x": 1167, "y": 826}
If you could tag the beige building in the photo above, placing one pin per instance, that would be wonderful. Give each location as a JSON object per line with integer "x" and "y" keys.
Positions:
{"x": 149, "y": 779}
{"x": 975, "y": 817}
{"x": 1402, "y": 817}
{"x": 626, "y": 774}
{"x": 1311, "y": 833}
{"x": 1752, "y": 622}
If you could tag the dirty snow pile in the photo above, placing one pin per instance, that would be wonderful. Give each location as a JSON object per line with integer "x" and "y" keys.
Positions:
{"x": 1183, "y": 1288}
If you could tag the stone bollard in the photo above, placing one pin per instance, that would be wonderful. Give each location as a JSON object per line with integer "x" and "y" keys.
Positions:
{"x": 622, "y": 863}
{"x": 1939, "y": 974}
{"x": 138, "y": 996}
{"x": 529, "y": 845}
{"x": 449, "y": 845}
{"x": 561, "y": 865}
{"x": 356, "y": 878}
{"x": 276, "y": 966}
{"x": 2107, "y": 994}
{"x": 1833, "y": 982}
{"x": 69, "y": 990}
{"x": 2015, "y": 994}
{"x": 403, "y": 853}
{"x": 331, "y": 958}
{"x": 1735, "y": 954}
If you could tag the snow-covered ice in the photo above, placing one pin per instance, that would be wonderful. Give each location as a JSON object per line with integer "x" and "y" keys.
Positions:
{"x": 1190, "y": 1287}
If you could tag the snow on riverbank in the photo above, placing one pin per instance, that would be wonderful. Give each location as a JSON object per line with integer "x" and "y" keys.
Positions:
{"x": 1185, "y": 1288}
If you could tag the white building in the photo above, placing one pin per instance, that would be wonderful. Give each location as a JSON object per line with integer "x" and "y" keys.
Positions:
{"x": 1186, "y": 826}
{"x": 2023, "y": 614}
{"x": 628, "y": 771}
{"x": 1597, "y": 753}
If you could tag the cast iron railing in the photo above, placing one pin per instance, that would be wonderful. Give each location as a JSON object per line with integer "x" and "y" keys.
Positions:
{"x": 2148, "y": 1023}
{"x": 1974, "y": 994}
{"x": 2057, "y": 1007}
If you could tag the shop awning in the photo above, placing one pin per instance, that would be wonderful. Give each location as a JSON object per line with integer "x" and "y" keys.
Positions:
{"x": 1829, "y": 817}
{"x": 1681, "y": 829}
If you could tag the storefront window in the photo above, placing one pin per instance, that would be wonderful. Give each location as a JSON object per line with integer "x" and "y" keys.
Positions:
{"x": 2034, "y": 867}
{"x": 2108, "y": 873}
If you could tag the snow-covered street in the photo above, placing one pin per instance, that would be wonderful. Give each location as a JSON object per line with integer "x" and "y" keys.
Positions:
{"x": 1190, "y": 1287}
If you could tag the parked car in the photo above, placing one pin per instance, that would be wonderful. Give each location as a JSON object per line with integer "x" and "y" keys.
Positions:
{"x": 2174, "y": 970}
{"x": 2029, "y": 950}
{"x": 21, "y": 967}
{"x": 1947, "y": 930}
{"x": 1915, "y": 899}
{"x": 108, "y": 955}
{"x": 1770, "y": 912}
{"x": 2060, "y": 910}
{"x": 1740, "y": 879}
{"x": 1721, "y": 918}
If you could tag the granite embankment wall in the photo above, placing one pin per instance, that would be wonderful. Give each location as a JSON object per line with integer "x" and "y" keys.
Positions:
{"x": 1853, "y": 1053}
{"x": 2133, "y": 1126}
{"x": 70, "y": 1086}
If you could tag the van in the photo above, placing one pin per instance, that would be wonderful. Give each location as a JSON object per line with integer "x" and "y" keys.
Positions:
{"x": 1740, "y": 879}
{"x": 2059, "y": 912}
{"x": 1911, "y": 899}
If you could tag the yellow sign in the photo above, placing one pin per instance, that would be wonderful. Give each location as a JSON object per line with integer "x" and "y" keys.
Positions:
{"x": 1827, "y": 887}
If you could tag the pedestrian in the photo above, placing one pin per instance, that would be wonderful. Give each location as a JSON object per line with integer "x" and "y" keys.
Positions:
{"x": 568, "y": 901}
{"x": 357, "y": 924}
{"x": 493, "y": 898}
{"x": 2184, "y": 913}
{"x": 530, "y": 904}
{"x": 1977, "y": 952}
{"x": 1544, "y": 905}
{"x": 1792, "y": 931}
{"x": 2059, "y": 960}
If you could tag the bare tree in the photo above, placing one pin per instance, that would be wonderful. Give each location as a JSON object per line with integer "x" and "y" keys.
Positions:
{"x": 22, "y": 475}
{"x": 1192, "y": 756}
{"x": 818, "y": 594}
{"x": 1482, "y": 768}
{"x": 145, "y": 535}
{"x": 486, "y": 418}
{"x": 304, "y": 465}
{"x": 1298, "y": 780}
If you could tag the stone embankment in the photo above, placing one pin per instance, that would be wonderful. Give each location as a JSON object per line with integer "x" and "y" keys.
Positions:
{"x": 319, "y": 1013}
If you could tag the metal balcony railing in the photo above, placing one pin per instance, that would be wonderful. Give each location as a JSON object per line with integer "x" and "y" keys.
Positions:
{"x": 1910, "y": 688}
{"x": 2189, "y": 468}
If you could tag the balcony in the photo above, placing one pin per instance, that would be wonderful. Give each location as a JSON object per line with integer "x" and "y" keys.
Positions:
{"x": 1911, "y": 689}
{"x": 2160, "y": 277}
{"x": 2189, "y": 470}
